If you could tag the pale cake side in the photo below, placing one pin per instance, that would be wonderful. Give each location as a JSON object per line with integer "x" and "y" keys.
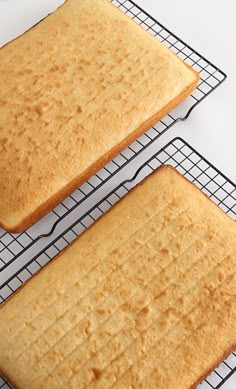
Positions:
{"x": 144, "y": 298}
{"x": 75, "y": 90}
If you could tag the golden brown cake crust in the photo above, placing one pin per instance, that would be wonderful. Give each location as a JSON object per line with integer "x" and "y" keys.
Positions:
{"x": 139, "y": 297}
{"x": 68, "y": 108}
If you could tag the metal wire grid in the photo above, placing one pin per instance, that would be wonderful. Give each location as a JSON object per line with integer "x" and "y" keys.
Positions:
{"x": 189, "y": 163}
{"x": 210, "y": 75}
{"x": 192, "y": 165}
{"x": 4, "y": 384}
{"x": 13, "y": 245}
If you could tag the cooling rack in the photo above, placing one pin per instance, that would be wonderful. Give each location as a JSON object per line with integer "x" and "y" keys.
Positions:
{"x": 210, "y": 75}
{"x": 14, "y": 246}
{"x": 188, "y": 162}
{"x": 21, "y": 255}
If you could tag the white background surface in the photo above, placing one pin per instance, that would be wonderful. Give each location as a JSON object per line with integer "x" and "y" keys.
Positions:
{"x": 208, "y": 26}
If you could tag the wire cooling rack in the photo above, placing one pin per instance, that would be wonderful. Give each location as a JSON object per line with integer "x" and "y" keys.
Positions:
{"x": 210, "y": 75}
{"x": 21, "y": 255}
{"x": 189, "y": 163}
{"x": 14, "y": 246}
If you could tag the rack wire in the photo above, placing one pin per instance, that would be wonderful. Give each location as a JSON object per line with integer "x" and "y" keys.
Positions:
{"x": 21, "y": 255}
{"x": 4, "y": 384}
{"x": 210, "y": 75}
{"x": 13, "y": 246}
{"x": 188, "y": 162}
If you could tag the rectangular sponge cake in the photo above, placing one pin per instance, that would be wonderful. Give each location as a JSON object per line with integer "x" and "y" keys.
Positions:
{"x": 144, "y": 298}
{"x": 75, "y": 90}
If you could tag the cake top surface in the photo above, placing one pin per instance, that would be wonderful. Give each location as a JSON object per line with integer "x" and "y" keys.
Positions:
{"x": 139, "y": 298}
{"x": 73, "y": 89}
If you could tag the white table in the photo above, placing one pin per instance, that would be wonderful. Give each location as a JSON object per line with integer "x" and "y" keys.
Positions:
{"x": 209, "y": 27}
